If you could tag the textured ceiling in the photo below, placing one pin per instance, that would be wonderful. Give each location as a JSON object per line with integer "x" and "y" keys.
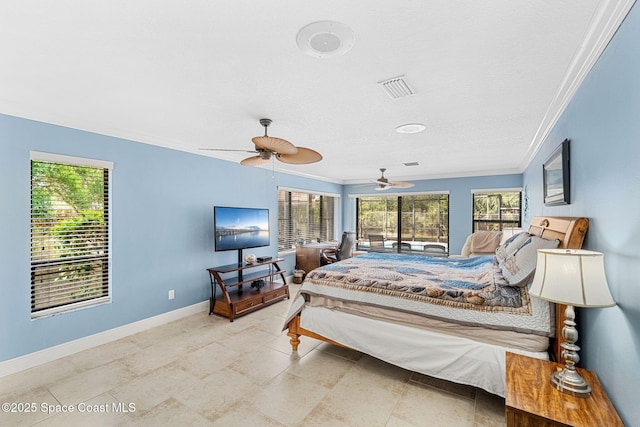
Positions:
{"x": 488, "y": 76}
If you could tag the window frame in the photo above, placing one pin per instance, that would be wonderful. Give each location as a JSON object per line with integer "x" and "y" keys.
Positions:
{"x": 106, "y": 212}
{"x": 286, "y": 241}
{"x": 501, "y": 223}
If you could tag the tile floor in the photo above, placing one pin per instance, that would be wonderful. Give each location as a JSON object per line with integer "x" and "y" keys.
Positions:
{"x": 206, "y": 371}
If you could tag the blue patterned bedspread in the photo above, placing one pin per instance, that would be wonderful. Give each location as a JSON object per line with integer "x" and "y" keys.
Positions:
{"x": 469, "y": 283}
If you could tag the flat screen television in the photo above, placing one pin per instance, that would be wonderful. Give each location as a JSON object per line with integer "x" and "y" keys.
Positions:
{"x": 240, "y": 228}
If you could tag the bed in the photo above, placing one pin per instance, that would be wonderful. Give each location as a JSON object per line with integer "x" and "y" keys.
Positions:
{"x": 449, "y": 318}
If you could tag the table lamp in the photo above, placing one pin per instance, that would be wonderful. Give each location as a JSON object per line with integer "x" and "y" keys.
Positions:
{"x": 575, "y": 278}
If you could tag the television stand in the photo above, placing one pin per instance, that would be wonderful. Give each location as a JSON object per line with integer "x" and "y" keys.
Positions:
{"x": 237, "y": 300}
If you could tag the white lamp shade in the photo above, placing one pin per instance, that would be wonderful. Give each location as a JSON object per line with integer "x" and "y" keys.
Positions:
{"x": 572, "y": 277}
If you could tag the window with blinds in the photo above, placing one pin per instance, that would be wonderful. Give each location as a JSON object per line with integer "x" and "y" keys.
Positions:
{"x": 496, "y": 210}
{"x": 69, "y": 233}
{"x": 304, "y": 217}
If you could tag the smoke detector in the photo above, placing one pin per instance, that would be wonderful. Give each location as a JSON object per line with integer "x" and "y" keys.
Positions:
{"x": 325, "y": 39}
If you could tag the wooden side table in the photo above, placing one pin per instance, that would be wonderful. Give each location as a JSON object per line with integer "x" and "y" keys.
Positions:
{"x": 531, "y": 399}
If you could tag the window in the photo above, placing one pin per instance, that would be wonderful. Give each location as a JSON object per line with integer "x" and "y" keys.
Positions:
{"x": 304, "y": 216}
{"x": 69, "y": 233}
{"x": 413, "y": 220}
{"x": 496, "y": 210}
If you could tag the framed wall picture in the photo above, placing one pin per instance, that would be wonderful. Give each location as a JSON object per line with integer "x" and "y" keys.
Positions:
{"x": 555, "y": 173}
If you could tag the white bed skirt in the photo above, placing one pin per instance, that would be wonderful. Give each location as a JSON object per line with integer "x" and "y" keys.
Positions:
{"x": 450, "y": 358}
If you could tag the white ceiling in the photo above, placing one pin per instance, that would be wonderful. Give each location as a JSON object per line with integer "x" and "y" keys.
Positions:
{"x": 490, "y": 76}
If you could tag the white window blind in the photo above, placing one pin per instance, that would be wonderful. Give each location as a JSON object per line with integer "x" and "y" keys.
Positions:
{"x": 69, "y": 234}
{"x": 304, "y": 216}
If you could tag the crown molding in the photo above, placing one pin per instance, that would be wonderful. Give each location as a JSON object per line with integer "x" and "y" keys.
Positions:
{"x": 606, "y": 20}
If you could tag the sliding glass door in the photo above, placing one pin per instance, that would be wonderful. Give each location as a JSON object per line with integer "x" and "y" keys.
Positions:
{"x": 406, "y": 224}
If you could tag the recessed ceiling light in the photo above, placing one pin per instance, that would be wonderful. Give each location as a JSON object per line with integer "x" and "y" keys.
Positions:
{"x": 411, "y": 128}
{"x": 325, "y": 39}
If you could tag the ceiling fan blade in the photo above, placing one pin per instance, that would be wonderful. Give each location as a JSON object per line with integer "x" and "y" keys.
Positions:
{"x": 253, "y": 161}
{"x": 278, "y": 145}
{"x": 303, "y": 156}
{"x": 227, "y": 149}
{"x": 401, "y": 184}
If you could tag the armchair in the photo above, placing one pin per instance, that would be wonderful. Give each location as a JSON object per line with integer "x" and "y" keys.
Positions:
{"x": 343, "y": 251}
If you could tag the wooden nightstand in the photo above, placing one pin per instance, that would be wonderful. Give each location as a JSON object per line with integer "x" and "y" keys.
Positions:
{"x": 531, "y": 400}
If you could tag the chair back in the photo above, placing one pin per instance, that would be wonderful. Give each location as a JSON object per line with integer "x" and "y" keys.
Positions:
{"x": 404, "y": 246}
{"x": 376, "y": 242}
{"x": 433, "y": 249}
{"x": 347, "y": 245}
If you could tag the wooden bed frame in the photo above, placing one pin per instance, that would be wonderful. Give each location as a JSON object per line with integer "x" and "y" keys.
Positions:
{"x": 569, "y": 230}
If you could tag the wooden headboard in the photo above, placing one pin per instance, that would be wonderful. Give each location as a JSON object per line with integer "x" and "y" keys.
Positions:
{"x": 570, "y": 231}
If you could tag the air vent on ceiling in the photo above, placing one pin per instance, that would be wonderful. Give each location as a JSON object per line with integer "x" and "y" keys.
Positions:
{"x": 412, "y": 164}
{"x": 396, "y": 87}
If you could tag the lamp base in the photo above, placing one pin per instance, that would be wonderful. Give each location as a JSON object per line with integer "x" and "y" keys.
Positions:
{"x": 570, "y": 382}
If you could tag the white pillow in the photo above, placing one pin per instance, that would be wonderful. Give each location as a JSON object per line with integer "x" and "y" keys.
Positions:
{"x": 520, "y": 265}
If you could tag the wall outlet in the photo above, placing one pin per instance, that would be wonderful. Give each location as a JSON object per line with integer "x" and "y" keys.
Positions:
{"x": 172, "y": 294}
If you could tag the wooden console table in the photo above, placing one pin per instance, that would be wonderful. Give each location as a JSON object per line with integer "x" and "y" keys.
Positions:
{"x": 238, "y": 297}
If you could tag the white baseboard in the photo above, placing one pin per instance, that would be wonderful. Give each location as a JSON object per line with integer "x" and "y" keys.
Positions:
{"x": 50, "y": 354}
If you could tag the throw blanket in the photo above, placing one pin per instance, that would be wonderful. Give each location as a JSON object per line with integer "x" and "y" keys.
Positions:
{"x": 485, "y": 241}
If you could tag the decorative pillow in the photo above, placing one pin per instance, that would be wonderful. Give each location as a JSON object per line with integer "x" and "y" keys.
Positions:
{"x": 510, "y": 245}
{"x": 518, "y": 267}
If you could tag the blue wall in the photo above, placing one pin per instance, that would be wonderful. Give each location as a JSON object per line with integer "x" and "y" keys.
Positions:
{"x": 162, "y": 213}
{"x": 603, "y": 124}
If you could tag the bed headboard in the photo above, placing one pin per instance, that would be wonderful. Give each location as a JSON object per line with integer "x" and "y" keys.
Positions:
{"x": 570, "y": 231}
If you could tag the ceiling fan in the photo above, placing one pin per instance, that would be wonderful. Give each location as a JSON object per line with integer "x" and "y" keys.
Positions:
{"x": 383, "y": 183}
{"x": 267, "y": 147}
